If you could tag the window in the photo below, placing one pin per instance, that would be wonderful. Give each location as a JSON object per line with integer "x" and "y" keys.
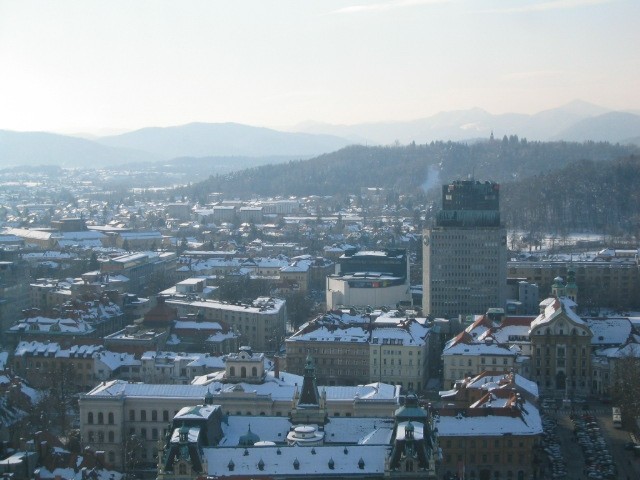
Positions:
{"x": 165, "y": 416}
{"x": 100, "y": 418}
{"x": 111, "y": 437}
{"x": 90, "y": 418}
{"x": 154, "y": 415}
{"x": 111, "y": 420}
{"x": 143, "y": 415}
{"x": 132, "y": 415}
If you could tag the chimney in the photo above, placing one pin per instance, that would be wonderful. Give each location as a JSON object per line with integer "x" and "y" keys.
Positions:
{"x": 276, "y": 367}
{"x": 100, "y": 458}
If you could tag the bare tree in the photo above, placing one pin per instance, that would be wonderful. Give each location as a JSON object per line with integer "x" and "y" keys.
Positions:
{"x": 626, "y": 387}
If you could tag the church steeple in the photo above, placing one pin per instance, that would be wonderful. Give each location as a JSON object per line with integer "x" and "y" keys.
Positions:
{"x": 309, "y": 406}
{"x": 309, "y": 394}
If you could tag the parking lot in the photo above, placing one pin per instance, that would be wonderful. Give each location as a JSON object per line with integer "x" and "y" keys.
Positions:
{"x": 582, "y": 444}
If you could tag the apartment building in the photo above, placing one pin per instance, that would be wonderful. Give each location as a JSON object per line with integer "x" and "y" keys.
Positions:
{"x": 493, "y": 437}
{"x": 353, "y": 349}
{"x": 602, "y": 283}
{"x": 261, "y": 323}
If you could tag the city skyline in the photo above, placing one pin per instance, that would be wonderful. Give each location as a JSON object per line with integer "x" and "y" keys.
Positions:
{"x": 103, "y": 67}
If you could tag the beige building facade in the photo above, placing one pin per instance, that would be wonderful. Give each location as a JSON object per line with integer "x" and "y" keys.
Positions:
{"x": 114, "y": 411}
{"x": 261, "y": 323}
{"x": 561, "y": 350}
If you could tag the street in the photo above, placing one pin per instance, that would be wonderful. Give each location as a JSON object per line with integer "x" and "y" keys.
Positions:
{"x": 626, "y": 463}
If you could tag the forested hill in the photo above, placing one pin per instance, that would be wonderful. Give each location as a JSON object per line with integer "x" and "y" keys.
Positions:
{"x": 407, "y": 168}
{"x": 583, "y": 196}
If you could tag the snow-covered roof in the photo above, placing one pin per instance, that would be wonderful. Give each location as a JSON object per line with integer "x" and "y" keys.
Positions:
{"x": 324, "y": 334}
{"x": 489, "y": 382}
{"x": 261, "y": 305}
{"x": 276, "y": 389}
{"x": 612, "y": 331}
{"x": 4, "y": 356}
{"x": 193, "y": 325}
{"x": 53, "y": 349}
{"x": 273, "y": 429}
{"x": 555, "y": 307}
{"x": 282, "y": 460}
{"x": 507, "y": 333}
{"x": 475, "y": 349}
{"x": 412, "y": 335}
{"x": 631, "y": 350}
{"x": 527, "y": 423}
{"x": 70, "y": 474}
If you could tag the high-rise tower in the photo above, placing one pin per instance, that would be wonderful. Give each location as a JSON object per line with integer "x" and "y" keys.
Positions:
{"x": 465, "y": 252}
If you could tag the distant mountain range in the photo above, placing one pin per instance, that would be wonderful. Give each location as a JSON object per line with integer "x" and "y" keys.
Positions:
{"x": 223, "y": 139}
{"x": 576, "y": 121}
{"x": 161, "y": 144}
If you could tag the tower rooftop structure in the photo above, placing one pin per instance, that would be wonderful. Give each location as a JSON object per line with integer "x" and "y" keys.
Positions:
{"x": 468, "y": 203}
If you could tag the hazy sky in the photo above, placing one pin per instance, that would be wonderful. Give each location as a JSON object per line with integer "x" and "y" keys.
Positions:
{"x": 85, "y": 65}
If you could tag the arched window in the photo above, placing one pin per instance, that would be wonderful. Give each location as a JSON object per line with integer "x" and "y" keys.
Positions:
{"x": 182, "y": 469}
{"x": 232, "y": 371}
{"x": 90, "y": 418}
{"x": 254, "y": 371}
{"x": 100, "y": 418}
{"x": 143, "y": 415}
{"x": 111, "y": 420}
{"x": 154, "y": 415}
{"x": 243, "y": 372}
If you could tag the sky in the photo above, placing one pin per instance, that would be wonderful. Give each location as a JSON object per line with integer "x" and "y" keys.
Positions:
{"x": 102, "y": 66}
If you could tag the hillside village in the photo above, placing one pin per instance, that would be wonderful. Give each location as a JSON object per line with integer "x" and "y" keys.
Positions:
{"x": 151, "y": 335}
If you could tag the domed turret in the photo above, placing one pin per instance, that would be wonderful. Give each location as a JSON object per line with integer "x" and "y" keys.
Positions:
{"x": 248, "y": 439}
